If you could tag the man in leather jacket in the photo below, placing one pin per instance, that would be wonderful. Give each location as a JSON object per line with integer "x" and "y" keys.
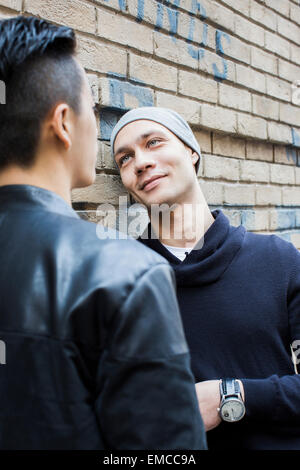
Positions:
{"x": 95, "y": 355}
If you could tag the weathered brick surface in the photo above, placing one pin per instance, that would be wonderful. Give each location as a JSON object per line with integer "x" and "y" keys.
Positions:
{"x": 104, "y": 158}
{"x": 268, "y": 195}
{"x": 221, "y": 168}
{"x": 116, "y": 28}
{"x": 152, "y": 72}
{"x": 196, "y": 31}
{"x": 221, "y": 119}
{"x": 285, "y": 155}
{"x": 213, "y": 191}
{"x": 287, "y": 29}
{"x": 265, "y": 107}
{"x": 291, "y": 196}
{"x": 264, "y": 60}
{"x": 250, "y": 78}
{"x": 239, "y": 194}
{"x": 283, "y": 219}
{"x": 101, "y": 57}
{"x": 253, "y": 33}
{"x": 252, "y": 126}
{"x": 295, "y": 54}
{"x": 106, "y": 189}
{"x": 205, "y": 140}
{"x": 294, "y": 13}
{"x": 77, "y": 14}
{"x": 228, "y": 146}
{"x": 259, "y": 151}
{"x": 277, "y": 44}
{"x": 263, "y": 15}
{"x": 120, "y": 94}
{"x": 230, "y": 67}
{"x": 281, "y": 7}
{"x": 255, "y": 220}
{"x": 177, "y": 53}
{"x": 288, "y": 113}
{"x": 282, "y": 174}
{"x": 279, "y": 132}
{"x": 287, "y": 70}
{"x": 198, "y": 87}
{"x": 255, "y": 171}
{"x": 215, "y": 65}
{"x": 218, "y": 14}
{"x": 12, "y": 4}
{"x": 241, "y": 6}
{"x": 189, "y": 109}
{"x": 297, "y": 176}
{"x": 233, "y": 97}
{"x": 278, "y": 88}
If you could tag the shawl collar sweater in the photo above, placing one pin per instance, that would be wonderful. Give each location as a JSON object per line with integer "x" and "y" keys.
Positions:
{"x": 239, "y": 297}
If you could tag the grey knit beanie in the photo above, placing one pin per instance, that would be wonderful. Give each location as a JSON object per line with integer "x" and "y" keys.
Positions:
{"x": 166, "y": 117}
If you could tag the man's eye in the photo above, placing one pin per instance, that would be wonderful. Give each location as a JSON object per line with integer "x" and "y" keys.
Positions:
{"x": 123, "y": 159}
{"x": 152, "y": 142}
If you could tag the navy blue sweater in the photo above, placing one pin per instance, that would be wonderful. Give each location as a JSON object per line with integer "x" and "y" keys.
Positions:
{"x": 240, "y": 303}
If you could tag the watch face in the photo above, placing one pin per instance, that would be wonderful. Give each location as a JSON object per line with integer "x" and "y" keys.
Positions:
{"x": 232, "y": 410}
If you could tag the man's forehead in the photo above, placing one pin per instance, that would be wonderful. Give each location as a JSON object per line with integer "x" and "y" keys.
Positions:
{"x": 138, "y": 130}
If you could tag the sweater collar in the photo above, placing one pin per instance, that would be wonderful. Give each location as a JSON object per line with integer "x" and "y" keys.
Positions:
{"x": 26, "y": 197}
{"x": 205, "y": 265}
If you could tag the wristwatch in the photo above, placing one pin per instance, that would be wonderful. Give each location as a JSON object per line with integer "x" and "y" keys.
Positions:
{"x": 232, "y": 407}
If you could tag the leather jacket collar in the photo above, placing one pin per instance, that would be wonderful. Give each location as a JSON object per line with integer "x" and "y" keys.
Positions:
{"x": 25, "y": 197}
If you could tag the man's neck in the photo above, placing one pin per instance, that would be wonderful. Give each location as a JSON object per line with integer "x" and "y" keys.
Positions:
{"x": 51, "y": 182}
{"x": 184, "y": 225}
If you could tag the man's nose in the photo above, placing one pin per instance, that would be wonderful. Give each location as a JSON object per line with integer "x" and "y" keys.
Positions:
{"x": 143, "y": 160}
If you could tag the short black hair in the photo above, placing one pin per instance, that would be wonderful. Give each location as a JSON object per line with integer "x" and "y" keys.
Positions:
{"x": 39, "y": 70}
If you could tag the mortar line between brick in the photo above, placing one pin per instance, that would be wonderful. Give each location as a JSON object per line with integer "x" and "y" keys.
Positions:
{"x": 127, "y": 15}
{"x": 232, "y": 60}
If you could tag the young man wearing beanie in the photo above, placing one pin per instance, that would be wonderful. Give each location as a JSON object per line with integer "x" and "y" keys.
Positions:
{"x": 239, "y": 292}
{"x": 90, "y": 365}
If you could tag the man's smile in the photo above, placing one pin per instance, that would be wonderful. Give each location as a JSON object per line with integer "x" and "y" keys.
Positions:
{"x": 151, "y": 182}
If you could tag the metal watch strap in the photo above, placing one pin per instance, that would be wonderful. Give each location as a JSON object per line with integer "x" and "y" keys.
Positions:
{"x": 232, "y": 408}
{"x": 229, "y": 387}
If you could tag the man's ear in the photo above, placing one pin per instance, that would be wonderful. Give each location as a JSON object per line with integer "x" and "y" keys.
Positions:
{"x": 194, "y": 155}
{"x": 195, "y": 158}
{"x": 60, "y": 123}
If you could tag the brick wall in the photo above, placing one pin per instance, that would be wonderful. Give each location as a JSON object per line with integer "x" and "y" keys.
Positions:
{"x": 228, "y": 66}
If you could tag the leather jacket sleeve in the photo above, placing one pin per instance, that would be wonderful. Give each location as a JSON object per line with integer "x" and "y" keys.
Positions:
{"x": 146, "y": 395}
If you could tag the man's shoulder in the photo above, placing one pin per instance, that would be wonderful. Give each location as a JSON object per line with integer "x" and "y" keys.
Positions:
{"x": 270, "y": 245}
{"x": 91, "y": 242}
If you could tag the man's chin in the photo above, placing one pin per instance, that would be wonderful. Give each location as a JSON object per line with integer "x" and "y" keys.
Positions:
{"x": 158, "y": 203}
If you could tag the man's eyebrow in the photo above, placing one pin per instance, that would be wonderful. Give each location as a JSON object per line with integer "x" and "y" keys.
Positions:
{"x": 122, "y": 150}
{"x": 144, "y": 136}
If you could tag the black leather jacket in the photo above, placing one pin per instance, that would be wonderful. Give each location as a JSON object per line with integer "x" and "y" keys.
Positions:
{"x": 95, "y": 356}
